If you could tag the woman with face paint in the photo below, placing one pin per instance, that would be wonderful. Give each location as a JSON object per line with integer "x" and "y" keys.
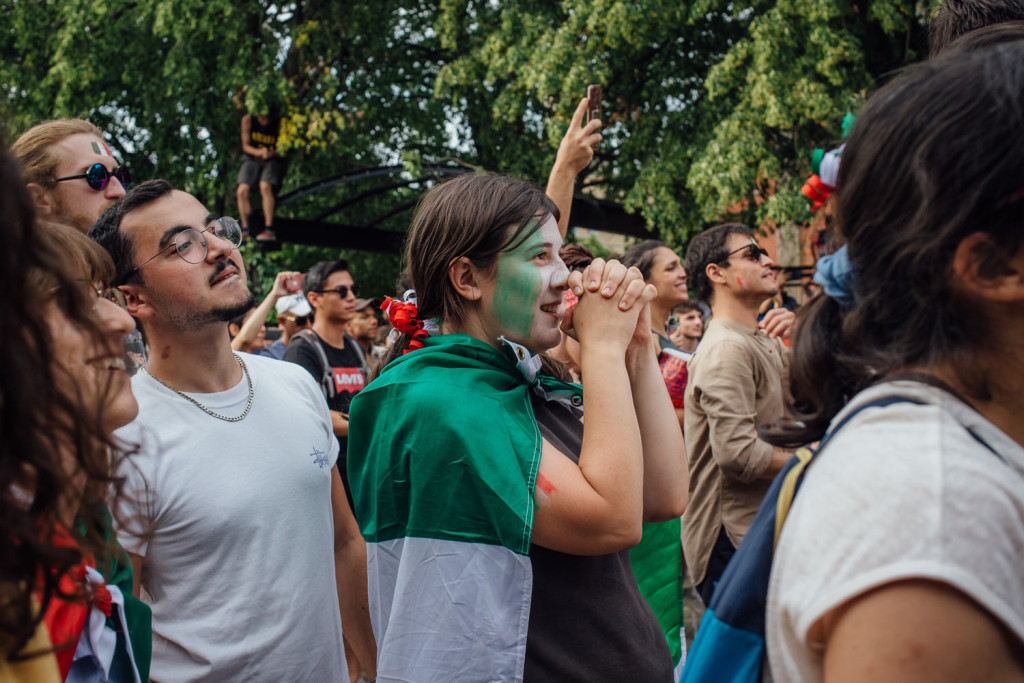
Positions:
{"x": 497, "y": 525}
{"x": 63, "y": 391}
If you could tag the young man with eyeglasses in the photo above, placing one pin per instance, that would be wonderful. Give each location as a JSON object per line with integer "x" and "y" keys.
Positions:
{"x": 245, "y": 544}
{"x": 70, "y": 171}
{"x": 328, "y": 352}
{"x": 735, "y": 386}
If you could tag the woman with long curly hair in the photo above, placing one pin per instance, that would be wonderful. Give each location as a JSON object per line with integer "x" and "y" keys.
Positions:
{"x": 63, "y": 389}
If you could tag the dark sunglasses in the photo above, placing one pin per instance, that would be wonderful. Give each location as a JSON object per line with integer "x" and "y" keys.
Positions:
{"x": 300, "y": 320}
{"x": 341, "y": 291}
{"x": 754, "y": 252}
{"x": 98, "y": 176}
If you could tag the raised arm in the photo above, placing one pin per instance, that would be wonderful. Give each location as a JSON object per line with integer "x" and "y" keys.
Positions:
{"x": 246, "y": 338}
{"x": 666, "y": 475}
{"x": 596, "y": 507}
{"x": 575, "y": 152}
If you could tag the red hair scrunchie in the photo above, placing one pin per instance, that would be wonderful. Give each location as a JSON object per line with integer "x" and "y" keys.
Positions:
{"x": 404, "y": 318}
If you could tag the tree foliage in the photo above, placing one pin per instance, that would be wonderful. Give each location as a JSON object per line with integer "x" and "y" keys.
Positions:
{"x": 711, "y": 107}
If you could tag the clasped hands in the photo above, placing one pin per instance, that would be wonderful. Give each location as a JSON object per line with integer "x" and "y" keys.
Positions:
{"x": 612, "y": 306}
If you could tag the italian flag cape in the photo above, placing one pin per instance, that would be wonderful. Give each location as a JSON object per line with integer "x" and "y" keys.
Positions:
{"x": 443, "y": 454}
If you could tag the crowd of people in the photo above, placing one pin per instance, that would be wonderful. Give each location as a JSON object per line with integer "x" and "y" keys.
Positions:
{"x": 527, "y": 462}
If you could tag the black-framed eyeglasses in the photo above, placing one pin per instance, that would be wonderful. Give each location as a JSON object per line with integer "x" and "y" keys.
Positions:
{"x": 341, "y": 291}
{"x": 754, "y": 252}
{"x": 300, "y": 320}
{"x": 191, "y": 245}
{"x": 97, "y": 176}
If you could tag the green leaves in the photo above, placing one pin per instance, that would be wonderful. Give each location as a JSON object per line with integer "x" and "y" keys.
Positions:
{"x": 711, "y": 108}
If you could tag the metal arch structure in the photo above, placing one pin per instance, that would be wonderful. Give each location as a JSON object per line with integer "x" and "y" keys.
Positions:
{"x": 587, "y": 212}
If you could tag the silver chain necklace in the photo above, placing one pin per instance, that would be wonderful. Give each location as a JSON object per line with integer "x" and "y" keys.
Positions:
{"x": 197, "y": 404}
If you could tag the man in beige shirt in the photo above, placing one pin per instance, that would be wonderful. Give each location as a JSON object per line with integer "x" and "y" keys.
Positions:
{"x": 735, "y": 386}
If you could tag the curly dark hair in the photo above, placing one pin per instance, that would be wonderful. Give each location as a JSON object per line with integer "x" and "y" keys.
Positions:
{"x": 44, "y": 425}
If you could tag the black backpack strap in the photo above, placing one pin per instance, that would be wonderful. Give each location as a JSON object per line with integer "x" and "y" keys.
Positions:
{"x": 327, "y": 374}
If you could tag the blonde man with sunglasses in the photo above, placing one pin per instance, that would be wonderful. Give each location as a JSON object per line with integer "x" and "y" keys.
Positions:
{"x": 70, "y": 171}
{"x": 735, "y": 386}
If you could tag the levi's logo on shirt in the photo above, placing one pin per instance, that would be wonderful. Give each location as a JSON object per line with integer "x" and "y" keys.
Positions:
{"x": 348, "y": 379}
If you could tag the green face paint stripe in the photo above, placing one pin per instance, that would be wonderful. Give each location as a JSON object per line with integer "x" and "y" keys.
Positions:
{"x": 518, "y": 285}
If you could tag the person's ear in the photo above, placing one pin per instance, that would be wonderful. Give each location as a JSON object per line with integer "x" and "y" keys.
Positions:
{"x": 136, "y": 301}
{"x": 45, "y": 204}
{"x": 715, "y": 273}
{"x": 983, "y": 270}
{"x": 314, "y": 300}
{"x": 465, "y": 278}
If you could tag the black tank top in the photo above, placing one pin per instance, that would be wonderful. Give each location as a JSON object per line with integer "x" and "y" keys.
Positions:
{"x": 264, "y": 136}
{"x": 588, "y": 621}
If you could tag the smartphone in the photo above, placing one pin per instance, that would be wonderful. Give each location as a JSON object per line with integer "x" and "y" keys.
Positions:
{"x": 593, "y": 102}
{"x": 294, "y": 283}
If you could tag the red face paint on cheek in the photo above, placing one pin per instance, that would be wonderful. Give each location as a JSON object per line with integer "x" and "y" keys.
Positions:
{"x": 166, "y": 353}
{"x": 739, "y": 281}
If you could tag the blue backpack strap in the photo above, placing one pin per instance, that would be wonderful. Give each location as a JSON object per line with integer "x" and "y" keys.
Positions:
{"x": 730, "y": 645}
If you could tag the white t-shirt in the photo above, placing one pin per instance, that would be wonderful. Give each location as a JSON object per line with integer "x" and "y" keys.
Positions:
{"x": 903, "y": 491}
{"x": 239, "y": 559}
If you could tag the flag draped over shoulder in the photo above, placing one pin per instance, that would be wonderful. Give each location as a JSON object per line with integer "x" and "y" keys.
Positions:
{"x": 443, "y": 454}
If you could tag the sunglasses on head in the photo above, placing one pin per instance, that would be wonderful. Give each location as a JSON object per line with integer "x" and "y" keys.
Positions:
{"x": 341, "y": 291}
{"x": 97, "y": 176}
